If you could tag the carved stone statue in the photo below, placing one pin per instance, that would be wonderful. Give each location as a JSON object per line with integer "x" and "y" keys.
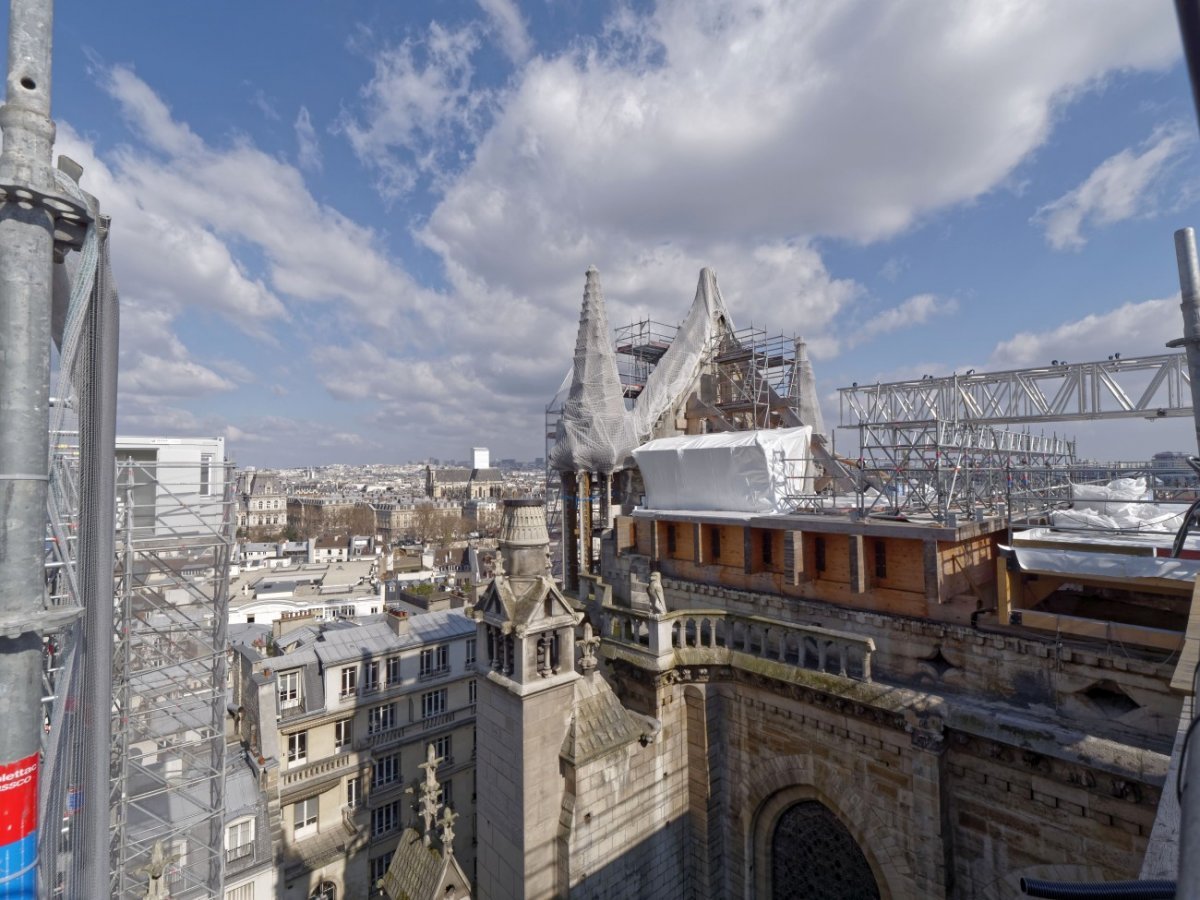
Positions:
{"x": 587, "y": 649}
{"x": 658, "y": 602}
{"x": 156, "y": 869}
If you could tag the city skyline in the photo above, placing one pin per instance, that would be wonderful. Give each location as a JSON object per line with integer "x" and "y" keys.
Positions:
{"x": 360, "y": 234}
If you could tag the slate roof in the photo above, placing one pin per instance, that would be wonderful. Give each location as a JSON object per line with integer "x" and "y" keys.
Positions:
{"x": 599, "y": 723}
{"x": 418, "y": 872}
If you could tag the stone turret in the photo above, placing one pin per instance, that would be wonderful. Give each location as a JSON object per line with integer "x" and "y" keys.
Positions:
{"x": 525, "y": 622}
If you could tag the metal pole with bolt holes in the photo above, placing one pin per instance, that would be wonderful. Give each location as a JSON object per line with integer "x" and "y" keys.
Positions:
{"x": 26, "y": 260}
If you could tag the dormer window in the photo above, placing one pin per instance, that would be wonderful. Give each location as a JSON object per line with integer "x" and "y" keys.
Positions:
{"x": 289, "y": 689}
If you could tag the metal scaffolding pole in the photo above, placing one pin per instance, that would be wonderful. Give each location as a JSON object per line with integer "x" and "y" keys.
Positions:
{"x": 26, "y": 258}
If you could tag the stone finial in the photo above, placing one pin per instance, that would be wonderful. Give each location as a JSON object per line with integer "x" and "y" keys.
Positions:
{"x": 498, "y": 565}
{"x": 430, "y": 791}
{"x": 447, "y": 823}
{"x": 587, "y": 650}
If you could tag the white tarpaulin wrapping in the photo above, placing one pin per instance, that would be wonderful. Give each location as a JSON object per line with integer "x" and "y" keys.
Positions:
{"x": 1105, "y": 565}
{"x": 740, "y": 471}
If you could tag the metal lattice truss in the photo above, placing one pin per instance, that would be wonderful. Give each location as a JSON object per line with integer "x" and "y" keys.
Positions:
{"x": 1143, "y": 387}
{"x": 937, "y": 468}
{"x": 174, "y": 537}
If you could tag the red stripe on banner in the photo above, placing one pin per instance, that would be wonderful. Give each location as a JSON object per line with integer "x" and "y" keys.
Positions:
{"x": 18, "y": 799}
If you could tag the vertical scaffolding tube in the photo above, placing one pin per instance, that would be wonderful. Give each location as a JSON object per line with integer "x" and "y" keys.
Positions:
{"x": 570, "y": 531}
{"x": 97, "y": 391}
{"x": 26, "y": 260}
{"x": 1189, "y": 297}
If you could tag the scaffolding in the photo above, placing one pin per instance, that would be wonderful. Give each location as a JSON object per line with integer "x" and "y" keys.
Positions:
{"x": 175, "y": 526}
{"x": 640, "y": 346}
{"x": 756, "y": 379}
{"x": 931, "y": 447}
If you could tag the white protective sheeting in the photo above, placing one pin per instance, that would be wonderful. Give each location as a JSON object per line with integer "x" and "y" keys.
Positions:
{"x": 1080, "y": 564}
{"x": 1122, "y": 504}
{"x": 597, "y": 432}
{"x": 740, "y": 471}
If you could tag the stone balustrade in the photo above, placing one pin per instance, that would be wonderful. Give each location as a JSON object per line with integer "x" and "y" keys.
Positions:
{"x": 322, "y": 767}
{"x": 719, "y": 634}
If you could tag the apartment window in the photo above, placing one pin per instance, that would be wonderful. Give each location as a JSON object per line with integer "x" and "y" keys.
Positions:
{"x": 387, "y": 770}
{"x": 242, "y": 892}
{"x": 435, "y": 661}
{"x": 470, "y": 651}
{"x": 371, "y": 676}
{"x": 381, "y": 718}
{"x": 447, "y": 793}
{"x": 343, "y": 734}
{"x": 714, "y": 541}
{"x": 471, "y": 692}
{"x": 353, "y": 792}
{"x": 385, "y": 819}
{"x": 880, "y": 559}
{"x": 349, "y": 681}
{"x": 297, "y": 751}
{"x": 433, "y": 703}
{"x": 304, "y": 818}
{"x": 671, "y": 538}
{"x": 289, "y": 689}
{"x": 768, "y": 539}
{"x": 819, "y": 553}
{"x": 239, "y": 840}
{"x": 393, "y": 670}
{"x": 441, "y": 749}
{"x": 379, "y": 866}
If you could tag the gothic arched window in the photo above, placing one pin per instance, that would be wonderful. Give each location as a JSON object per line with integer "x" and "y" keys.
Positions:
{"x": 814, "y": 855}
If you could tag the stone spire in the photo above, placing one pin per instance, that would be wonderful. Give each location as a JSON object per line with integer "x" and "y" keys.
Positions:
{"x": 595, "y": 434}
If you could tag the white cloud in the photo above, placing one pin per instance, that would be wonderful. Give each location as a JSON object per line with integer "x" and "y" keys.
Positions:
{"x": 170, "y": 377}
{"x": 311, "y": 251}
{"x": 506, "y": 20}
{"x": 1125, "y": 185}
{"x": 916, "y": 310}
{"x": 417, "y": 107}
{"x": 308, "y": 154}
{"x": 1133, "y": 329}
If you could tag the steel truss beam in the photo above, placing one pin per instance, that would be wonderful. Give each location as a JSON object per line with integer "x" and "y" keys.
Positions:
{"x": 1142, "y": 387}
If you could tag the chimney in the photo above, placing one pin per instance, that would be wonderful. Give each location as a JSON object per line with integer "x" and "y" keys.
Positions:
{"x": 397, "y": 620}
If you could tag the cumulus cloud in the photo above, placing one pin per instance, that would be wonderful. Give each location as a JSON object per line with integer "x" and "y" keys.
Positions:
{"x": 1125, "y": 185}
{"x": 1133, "y": 329}
{"x": 697, "y": 121}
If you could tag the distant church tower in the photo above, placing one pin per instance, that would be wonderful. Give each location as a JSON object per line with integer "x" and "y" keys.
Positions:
{"x": 523, "y": 711}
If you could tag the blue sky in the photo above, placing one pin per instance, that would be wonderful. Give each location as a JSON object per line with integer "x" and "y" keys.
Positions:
{"x": 358, "y": 232}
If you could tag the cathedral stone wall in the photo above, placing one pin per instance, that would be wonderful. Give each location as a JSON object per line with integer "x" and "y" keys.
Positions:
{"x": 629, "y": 834}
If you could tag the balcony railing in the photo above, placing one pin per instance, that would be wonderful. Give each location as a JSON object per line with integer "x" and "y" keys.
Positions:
{"x": 412, "y": 729}
{"x": 717, "y": 636}
{"x": 318, "y": 769}
{"x": 239, "y": 852}
{"x": 430, "y": 674}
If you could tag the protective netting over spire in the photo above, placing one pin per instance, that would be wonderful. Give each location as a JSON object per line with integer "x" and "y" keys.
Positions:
{"x": 680, "y": 365}
{"x": 596, "y": 432}
{"x": 809, "y": 407}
